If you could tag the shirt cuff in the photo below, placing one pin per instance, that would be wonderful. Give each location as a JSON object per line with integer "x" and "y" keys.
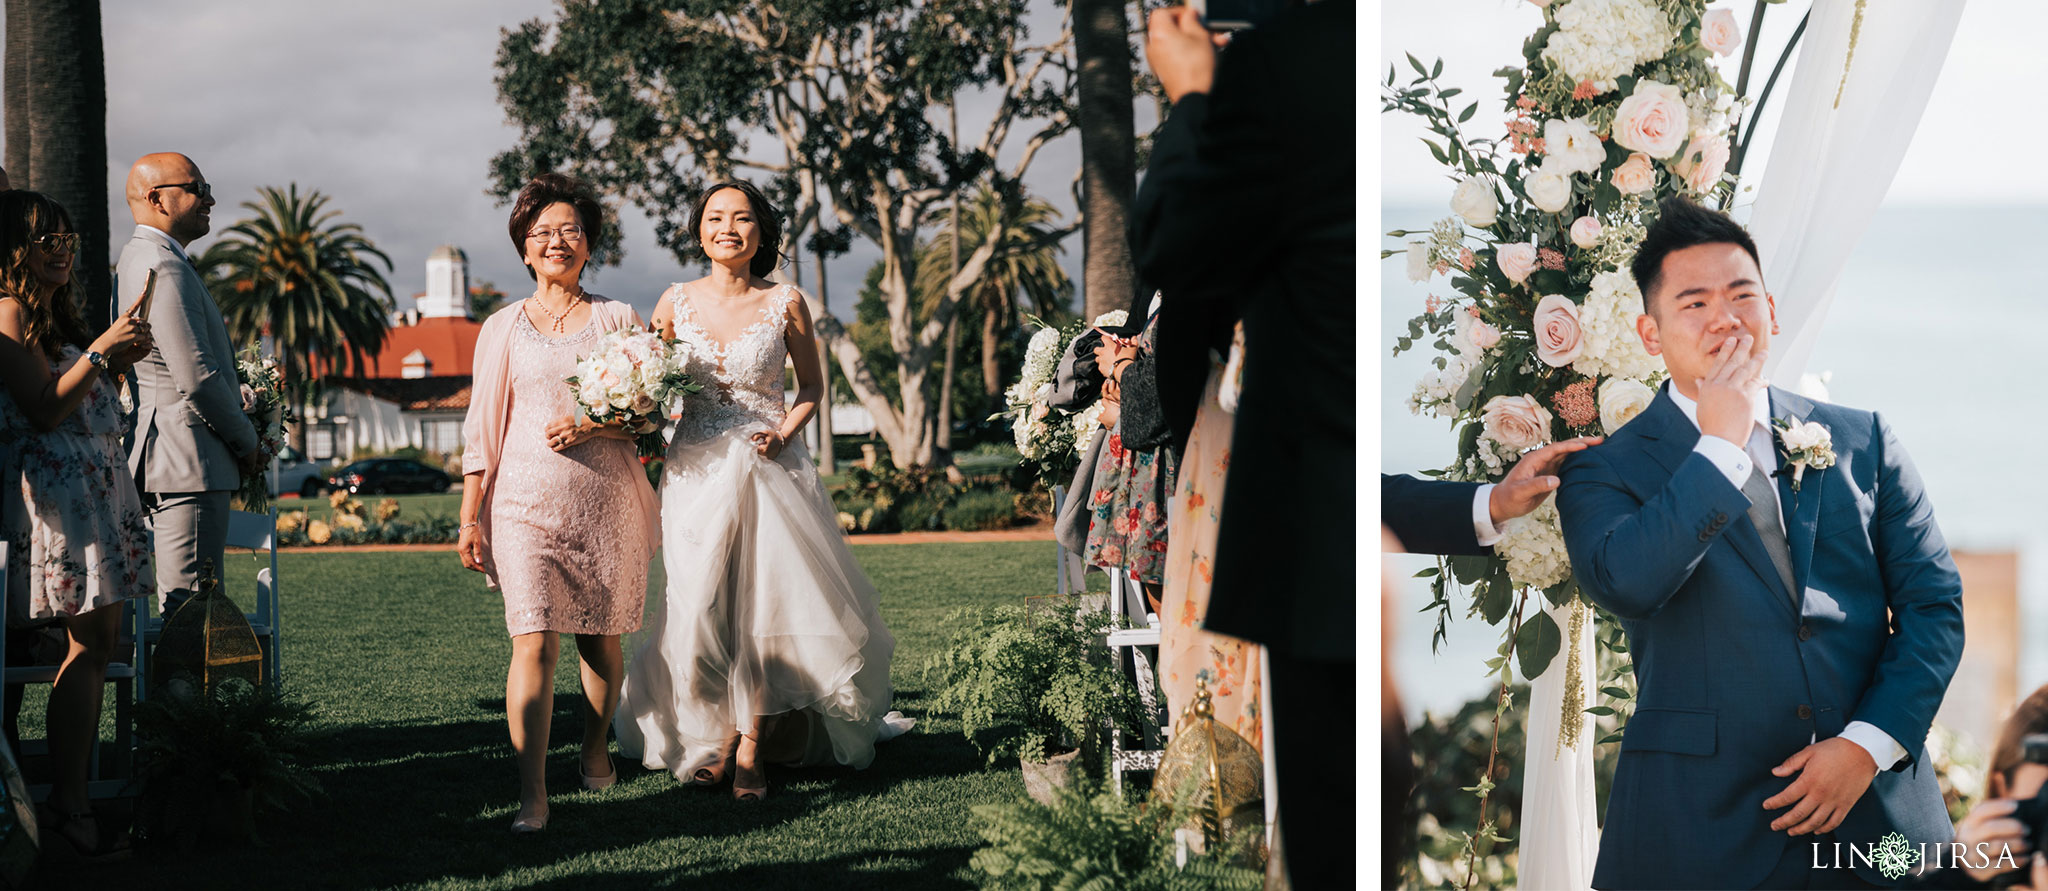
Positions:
{"x": 1482, "y": 517}
{"x": 1729, "y": 458}
{"x": 1882, "y": 748}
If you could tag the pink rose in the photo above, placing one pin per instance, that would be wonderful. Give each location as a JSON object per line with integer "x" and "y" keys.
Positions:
{"x": 1518, "y": 423}
{"x": 1586, "y": 232}
{"x": 1719, "y": 33}
{"x": 1482, "y": 335}
{"x": 1516, "y": 261}
{"x": 1635, "y": 175}
{"x": 1703, "y": 161}
{"x": 1652, "y": 120}
{"x": 1558, "y": 340}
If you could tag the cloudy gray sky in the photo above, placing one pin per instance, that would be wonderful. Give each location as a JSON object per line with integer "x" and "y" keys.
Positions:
{"x": 388, "y": 107}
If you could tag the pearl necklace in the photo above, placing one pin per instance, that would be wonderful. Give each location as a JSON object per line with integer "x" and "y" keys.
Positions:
{"x": 559, "y": 322}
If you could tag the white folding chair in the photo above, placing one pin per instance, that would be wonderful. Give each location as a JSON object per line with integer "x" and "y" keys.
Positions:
{"x": 256, "y": 532}
{"x": 1130, "y": 646}
{"x": 109, "y": 773}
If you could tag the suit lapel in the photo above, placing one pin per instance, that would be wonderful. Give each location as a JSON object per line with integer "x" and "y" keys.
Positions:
{"x": 1672, "y": 441}
{"x": 1801, "y": 508}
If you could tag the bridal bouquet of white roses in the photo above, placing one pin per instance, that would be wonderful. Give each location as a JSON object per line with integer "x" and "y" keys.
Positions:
{"x": 264, "y": 401}
{"x": 1051, "y": 440}
{"x": 631, "y": 378}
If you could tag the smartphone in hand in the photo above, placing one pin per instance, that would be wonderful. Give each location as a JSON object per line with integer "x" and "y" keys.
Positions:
{"x": 141, "y": 308}
{"x": 1236, "y": 15}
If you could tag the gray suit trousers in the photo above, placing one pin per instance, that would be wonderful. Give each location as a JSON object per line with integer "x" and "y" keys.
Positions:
{"x": 191, "y": 528}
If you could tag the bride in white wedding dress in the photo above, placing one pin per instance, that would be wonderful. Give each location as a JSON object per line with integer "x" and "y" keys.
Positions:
{"x": 767, "y": 645}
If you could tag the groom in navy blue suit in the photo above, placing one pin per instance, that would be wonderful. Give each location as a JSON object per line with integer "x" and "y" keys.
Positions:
{"x": 1792, "y": 635}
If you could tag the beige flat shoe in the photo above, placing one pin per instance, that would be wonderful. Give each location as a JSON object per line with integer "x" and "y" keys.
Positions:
{"x": 594, "y": 784}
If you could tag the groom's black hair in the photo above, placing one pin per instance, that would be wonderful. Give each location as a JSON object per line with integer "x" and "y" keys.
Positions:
{"x": 1682, "y": 224}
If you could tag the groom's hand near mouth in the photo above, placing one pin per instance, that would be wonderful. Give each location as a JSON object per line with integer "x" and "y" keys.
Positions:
{"x": 1833, "y": 774}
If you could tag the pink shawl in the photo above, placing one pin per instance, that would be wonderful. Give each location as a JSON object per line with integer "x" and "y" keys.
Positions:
{"x": 490, "y": 408}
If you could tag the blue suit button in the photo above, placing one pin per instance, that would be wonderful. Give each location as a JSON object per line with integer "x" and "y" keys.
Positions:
{"x": 1805, "y": 712}
{"x": 1805, "y": 632}
{"x": 1720, "y": 518}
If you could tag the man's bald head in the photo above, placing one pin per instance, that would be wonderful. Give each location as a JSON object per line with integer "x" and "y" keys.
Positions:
{"x": 167, "y": 191}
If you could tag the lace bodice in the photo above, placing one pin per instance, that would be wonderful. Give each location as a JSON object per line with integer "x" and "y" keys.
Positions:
{"x": 742, "y": 379}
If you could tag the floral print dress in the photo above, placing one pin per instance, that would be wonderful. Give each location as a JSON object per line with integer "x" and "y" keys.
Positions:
{"x": 1127, "y": 522}
{"x": 72, "y": 517}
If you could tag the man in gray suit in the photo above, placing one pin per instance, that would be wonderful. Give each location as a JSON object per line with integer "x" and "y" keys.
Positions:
{"x": 192, "y": 442}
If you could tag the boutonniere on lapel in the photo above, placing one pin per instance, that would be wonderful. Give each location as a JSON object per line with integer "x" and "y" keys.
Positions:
{"x": 1806, "y": 445}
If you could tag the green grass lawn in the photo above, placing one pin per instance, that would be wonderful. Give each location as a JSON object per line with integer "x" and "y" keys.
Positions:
{"x": 404, "y": 655}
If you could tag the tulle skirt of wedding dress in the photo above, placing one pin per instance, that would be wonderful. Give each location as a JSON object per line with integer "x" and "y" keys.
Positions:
{"x": 765, "y": 613}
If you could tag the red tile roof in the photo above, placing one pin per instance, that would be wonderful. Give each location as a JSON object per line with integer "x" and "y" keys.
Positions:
{"x": 449, "y": 343}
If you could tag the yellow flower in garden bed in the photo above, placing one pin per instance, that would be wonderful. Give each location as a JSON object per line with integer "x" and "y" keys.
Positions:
{"x": 318, "y": 532}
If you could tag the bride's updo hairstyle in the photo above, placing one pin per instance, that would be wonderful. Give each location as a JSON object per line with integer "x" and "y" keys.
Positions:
{"x": 769, "y": 254}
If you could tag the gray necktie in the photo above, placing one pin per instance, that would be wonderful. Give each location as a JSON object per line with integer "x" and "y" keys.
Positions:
{"x": 1763, "y": 513}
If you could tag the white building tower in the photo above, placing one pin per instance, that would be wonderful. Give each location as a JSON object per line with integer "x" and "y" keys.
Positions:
{"x": 447, "y": 284}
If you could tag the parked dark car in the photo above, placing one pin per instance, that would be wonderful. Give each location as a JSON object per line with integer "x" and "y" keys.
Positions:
{"x": 385, "y": 476}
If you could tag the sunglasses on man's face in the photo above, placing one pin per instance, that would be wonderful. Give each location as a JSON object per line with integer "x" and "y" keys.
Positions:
{"x": 203, "y": 190}
{"x": 58, "y": 243}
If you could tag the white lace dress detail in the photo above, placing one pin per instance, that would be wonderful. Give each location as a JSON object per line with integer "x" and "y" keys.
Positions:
{"x": 742, "y": 379}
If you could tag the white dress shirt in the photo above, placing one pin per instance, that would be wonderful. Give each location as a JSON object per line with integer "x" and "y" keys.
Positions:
{"x": 176, "y": 247}
{"x": 1735, "y": 463}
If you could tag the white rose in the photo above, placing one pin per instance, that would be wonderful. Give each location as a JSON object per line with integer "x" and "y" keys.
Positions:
{"x": 1703, "y": 161}
{"x": 1474, "y": 202}
{"x": 643, "y": 403}
{"x": 1115, "y": 318}
{"x": 1572, "y": 146}
{"x": 1549, "y": 188}
{"x": 1516, "y": 261}
{"x": 1586, "y": 232}
{"x": 1805, "y": 436}
{"x": 1621, "y": 400}
{"x": 1418, "y": 262}
{"x": 1518, "y": 423}
{"x": 1652, "y": 120}
{"x": 1719, "y": 33}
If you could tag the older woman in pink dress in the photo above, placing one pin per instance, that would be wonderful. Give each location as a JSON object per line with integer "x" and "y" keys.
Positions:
{"x": 556, "y": 510}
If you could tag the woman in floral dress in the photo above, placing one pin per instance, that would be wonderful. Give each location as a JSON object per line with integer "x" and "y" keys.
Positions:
{"x": 556, "y": 511}
{"x": 1135, "y": 472}
{"x": 77, "y": 547}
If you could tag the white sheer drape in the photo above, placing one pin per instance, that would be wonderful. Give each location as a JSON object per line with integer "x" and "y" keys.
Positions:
{"x": 1559, "y": 836}
{"x": 1830, "y": 165}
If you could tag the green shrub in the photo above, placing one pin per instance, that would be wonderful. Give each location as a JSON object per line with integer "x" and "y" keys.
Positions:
{"x": 978, "y": 509}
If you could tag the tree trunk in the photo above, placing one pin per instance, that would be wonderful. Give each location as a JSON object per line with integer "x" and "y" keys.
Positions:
{"x": 827, "y": 464}
{"x": 992, "y": 318}
{"x": 1108, "y": 151}
{"x": 56, "y": 111}
{"x": 942, "y": 454}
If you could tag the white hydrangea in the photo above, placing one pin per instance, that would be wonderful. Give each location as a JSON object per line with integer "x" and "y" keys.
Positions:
{"x": 1601, "y": 40}
{"x": 1607, "y": 330}
{"x": 1533, "y": 546}
{"x": 1115, "y": 318}
{"x": 1086, "y": 424}
{"x": 1435, "y": 393}
{"x": 1041, "y": 358}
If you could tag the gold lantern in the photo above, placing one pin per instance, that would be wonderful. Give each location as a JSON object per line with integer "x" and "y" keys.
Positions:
{"x": 1213, "y": 773}
{"x": 207, "y": 641}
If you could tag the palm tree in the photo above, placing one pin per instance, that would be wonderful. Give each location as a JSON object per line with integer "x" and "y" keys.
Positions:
{"x": 56, "y": 125}
{"x": 312, "y": 287}
{"x": 1026, "y": 264}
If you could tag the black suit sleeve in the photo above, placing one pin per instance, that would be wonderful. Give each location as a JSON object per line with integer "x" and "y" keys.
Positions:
{"x": 1139, "y": 414}
{"x": 1430, "y": 516}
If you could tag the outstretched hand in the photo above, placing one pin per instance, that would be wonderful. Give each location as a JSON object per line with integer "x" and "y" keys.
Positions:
{"x": 1533, "y": 479}
{"x": 1833, "y": 774}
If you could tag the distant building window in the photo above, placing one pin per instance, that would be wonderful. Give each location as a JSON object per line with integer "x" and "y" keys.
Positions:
{"x": 441, "y": 436}
{"x": 320, "y": 442}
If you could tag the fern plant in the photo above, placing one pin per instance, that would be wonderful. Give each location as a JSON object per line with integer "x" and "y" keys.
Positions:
{"x": 1033, "y": 682}
{"x": 242, "y": 737}
{"x": 1088, "y": 839}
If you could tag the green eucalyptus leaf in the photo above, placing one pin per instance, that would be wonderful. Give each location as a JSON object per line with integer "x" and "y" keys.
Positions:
{"x": 1537, "y": 643}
